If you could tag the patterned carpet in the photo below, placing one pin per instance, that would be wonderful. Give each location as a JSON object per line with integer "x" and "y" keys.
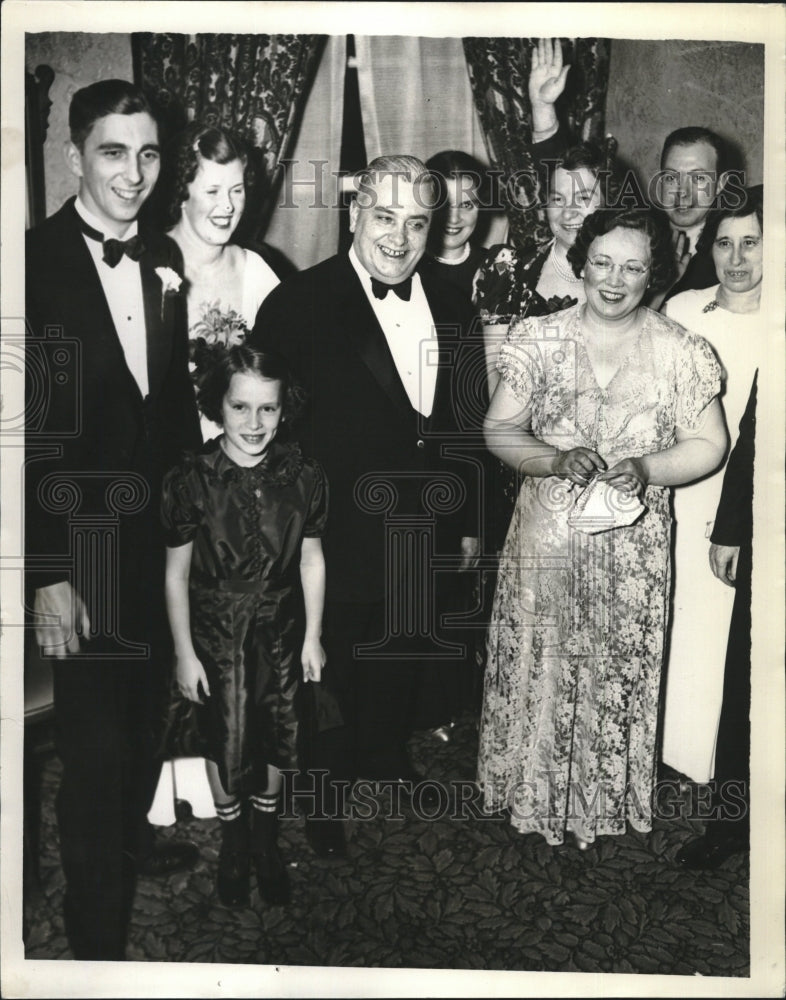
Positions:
{"x": 450, "y": 893}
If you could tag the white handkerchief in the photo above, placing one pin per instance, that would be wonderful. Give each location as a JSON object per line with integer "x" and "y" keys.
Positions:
{"x": 601, "y": 507}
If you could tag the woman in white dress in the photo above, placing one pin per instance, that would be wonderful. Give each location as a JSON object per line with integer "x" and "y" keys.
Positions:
{"x": 205, "y": 180}
{"x": 727, "y": 315}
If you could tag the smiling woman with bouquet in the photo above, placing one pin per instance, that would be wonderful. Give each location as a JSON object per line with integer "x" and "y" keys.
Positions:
{"x": 225, "y": 283}
{"x": 204, "y": 184}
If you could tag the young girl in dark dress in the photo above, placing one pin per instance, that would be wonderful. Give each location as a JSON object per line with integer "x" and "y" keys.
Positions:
{"x": 244, "y": 515}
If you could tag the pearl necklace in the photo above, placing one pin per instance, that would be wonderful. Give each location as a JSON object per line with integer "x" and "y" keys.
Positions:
{"x": 455, "y": 260}
{"x": 568, "y": 276}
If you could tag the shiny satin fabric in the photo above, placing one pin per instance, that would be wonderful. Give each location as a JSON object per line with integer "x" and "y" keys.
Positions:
{"x": 246, "y": 645}
{"x": 246, "y": 526}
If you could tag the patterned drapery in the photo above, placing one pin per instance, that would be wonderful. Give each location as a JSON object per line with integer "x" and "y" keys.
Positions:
{"x": 499, "y": 71}
{"x": 255, "y": 85}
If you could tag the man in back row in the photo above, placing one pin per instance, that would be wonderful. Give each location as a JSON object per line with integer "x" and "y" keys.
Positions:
{"x": 694, "y": 171}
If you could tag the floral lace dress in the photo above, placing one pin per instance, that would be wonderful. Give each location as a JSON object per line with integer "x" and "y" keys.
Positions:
{"x": 576, "y": 640}
{"x": 503, "y": 290}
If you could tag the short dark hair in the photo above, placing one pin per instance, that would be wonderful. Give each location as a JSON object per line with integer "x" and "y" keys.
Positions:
{"x": 454, "y": 163}
{"x": 603, "y": 221}
{"x": 695, "y": 133}
{"x": 213, "y": 383}
{"x": 182, "y": 157}
{"x": 107, "y": 97}
{"x": 751, "y": 203}
{"x": 589, "y": 156}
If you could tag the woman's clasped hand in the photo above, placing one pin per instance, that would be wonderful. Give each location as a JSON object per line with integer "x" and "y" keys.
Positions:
{"x": 578, "y": 465}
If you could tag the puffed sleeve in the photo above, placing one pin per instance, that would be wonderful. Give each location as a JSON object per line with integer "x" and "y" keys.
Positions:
{"x": 316, "y": 518}
{"x": 520, "y": 360}
{"x": 179, "y": 514}
{"x": 698, "y": 380}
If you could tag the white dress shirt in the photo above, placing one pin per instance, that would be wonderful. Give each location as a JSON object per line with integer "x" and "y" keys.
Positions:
{"x": 693, "y": 233}
{"x": 122, "y": 287}
{"x": 411, "y": 335}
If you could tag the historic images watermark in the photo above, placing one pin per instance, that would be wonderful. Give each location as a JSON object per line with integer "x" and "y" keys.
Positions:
{"x": 498, "y": 191}
{"x": 461, "y": 799}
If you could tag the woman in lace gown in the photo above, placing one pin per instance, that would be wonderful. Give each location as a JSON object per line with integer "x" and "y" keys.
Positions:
{"x": 728, "y": 316}
{"x": 606, "y": 390}
{"x": 204, "y": 182}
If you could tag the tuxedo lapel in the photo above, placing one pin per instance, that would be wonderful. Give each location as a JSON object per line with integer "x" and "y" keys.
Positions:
{"x": 158, "y": 320}
{"x": 367, "y": 337}
{"x": 442, "y": 313}
{"x": 95, "y": 318}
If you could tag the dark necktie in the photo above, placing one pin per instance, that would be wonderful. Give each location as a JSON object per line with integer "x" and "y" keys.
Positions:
{"x": 113, "y": 248}
{"x": 403, "y": 289}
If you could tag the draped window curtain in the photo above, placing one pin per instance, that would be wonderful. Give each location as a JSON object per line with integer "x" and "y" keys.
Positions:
{"x": 255, "y": 85}
{"x": 415, "y": 97}
{"x": 498, "y": 72}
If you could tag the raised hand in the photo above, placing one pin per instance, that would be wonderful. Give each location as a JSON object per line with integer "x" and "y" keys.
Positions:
{"x": 547, "y": 78}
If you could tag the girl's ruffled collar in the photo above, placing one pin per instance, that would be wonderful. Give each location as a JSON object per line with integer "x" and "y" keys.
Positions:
{"x": 282, "y": 464}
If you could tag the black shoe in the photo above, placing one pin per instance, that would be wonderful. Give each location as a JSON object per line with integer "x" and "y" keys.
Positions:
{"x": 272, "y": 878}
{"x": 701, "y": 855}
{"x": 168, "y": 857}
{"x": 326, "y": 838}
{"x": 234, "y": 865}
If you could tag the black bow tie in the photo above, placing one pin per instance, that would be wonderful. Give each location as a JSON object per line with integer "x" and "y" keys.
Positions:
{"x": 114, "y": 249}
{"x": 403, "y": 289}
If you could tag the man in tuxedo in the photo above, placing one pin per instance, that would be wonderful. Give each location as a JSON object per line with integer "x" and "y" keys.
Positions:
{"x": 102, "y": 429}
{"x": 377, "y": 346}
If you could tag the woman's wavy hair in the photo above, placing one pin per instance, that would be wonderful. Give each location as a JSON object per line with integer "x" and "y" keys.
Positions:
{"x": 656, "y": 229}
{"x": 598, "y": 160}
{"x": 182, "y": 157}
{"x": 214, "y": 382}
{"x": 751, "y": 202}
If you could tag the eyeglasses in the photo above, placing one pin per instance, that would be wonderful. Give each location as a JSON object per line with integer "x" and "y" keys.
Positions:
{"x": 630, "y": 269}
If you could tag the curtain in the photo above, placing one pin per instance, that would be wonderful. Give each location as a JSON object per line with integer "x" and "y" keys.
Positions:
{"x": 415, "y": 97}
{"x": 499, "y": 71}
{"x": 304, "y": 224}
{"x": 255, "y": 85}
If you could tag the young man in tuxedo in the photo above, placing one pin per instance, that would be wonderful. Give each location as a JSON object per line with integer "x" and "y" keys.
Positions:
{"x": 101, "y": 289}
{"x": 374, "y": 342}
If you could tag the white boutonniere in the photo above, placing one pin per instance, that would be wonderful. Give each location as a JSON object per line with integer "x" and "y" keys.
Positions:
{"x": 170, "y": 279}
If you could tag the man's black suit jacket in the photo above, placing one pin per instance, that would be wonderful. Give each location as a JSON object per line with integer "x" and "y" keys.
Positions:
{"x": 86, "y": 419}
{"x": 360, "y": 422}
